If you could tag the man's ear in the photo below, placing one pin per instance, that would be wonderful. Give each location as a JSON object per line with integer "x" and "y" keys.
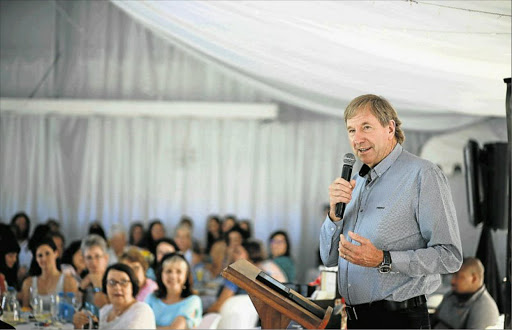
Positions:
{"x": 392, "y": 127}
{"x": 474, "y": 278}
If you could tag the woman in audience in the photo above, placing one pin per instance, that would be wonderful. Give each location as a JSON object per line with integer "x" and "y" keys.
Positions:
{"x": 183, "y": 238}
{"x": 214, "y": 231}
{"x": 228, "y": 223}
{"x": 9, "y": 250}
{"x": 117, "y": 242}
{"x": 163, "y": 246}
{"x": 96, "y": 228}
{"x": 174, "y": 304}
{"x": 59, "y": 241}
{"x": 134, "y": 258}
{"x": 246, "y": 226}
{"x": 217, "y": 255}
{"x": 94, "y": 250}
{"x": 209, "y": 278}
{"x": 20, "y": 223}
{"x": 45, "y": 278}
{"x": 136, "y": 235}
{"x": 54, "y": 224}
{"x": 73, "y": 261}
{"x": 251, "y": 250}
{"x": 156, "y": 231}
{"x": 234, "y": 237}
{"x": 124, "y": 311}
{"x": 280, "y": 253}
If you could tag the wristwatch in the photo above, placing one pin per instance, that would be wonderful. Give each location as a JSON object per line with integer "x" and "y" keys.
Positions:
{"x": 385, "y": 266}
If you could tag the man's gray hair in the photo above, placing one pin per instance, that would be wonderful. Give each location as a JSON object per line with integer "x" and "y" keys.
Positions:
{"x": 93, "y": 240}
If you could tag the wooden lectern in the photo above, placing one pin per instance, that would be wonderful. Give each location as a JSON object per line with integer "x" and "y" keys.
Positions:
{"x": 275, "y": 310}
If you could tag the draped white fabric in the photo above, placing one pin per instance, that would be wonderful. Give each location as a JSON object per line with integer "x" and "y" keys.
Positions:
{"x": 320, "y": 55}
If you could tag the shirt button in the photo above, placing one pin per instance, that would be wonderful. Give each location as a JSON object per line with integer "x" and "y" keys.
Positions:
{"x": 361, "y": 211}
{"x": 332, "y": 229}
{"x": 349, "y": 285}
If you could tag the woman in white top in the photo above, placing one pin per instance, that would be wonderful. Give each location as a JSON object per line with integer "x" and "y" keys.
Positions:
{"x": 124, "y": 311}
{"x": 46, "y": 279}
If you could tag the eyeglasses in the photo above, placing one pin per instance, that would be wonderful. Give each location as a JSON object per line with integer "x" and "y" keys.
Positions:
{"x": 113, "y": 283}
{"x": 96, "y": 257}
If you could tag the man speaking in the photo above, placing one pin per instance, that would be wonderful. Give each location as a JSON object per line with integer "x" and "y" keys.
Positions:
{"x": 399, "y": 230}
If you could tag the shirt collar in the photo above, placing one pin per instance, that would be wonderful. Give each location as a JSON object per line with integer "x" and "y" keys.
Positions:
{"x": 463, "y": 300}
{"x": 384, "y": 164}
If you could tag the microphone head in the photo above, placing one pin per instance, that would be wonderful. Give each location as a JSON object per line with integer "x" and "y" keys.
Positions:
{"x": 349, "y": 159}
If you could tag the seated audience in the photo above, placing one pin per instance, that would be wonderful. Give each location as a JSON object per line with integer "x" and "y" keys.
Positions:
{"x": 280, "y": 253}
{"x": 136, "y": 235}
{"x": 45, "y": 279}
{"x": 134, "y": 258}
{"x": 174, "y": 303}
{"x": 94, "y": 250}
{"x": 163, "y": 246}
{"x": 469, "y": 305}
{"x": 251, "y": 250}
{"x": 124, "y": 311}
{"x": 20, "y": 224}
{"x": 213, "y": 231}
{"x": 9, "y": 250}
{"x": 72, "y": 261}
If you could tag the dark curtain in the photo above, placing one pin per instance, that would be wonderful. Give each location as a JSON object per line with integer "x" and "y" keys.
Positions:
{"x": 485, "y": 252}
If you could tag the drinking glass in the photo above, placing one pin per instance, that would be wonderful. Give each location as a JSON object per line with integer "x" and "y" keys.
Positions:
{"x": 36, "y": 302}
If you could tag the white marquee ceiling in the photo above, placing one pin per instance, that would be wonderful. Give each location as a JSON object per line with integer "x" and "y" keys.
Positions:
{"x": 426, "y": 57}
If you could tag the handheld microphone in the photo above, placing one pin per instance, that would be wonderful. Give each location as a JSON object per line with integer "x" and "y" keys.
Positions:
{"x": 348, "y": 161}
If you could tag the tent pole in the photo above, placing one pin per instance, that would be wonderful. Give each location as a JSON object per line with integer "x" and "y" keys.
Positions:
{"x": 508, "y": 287}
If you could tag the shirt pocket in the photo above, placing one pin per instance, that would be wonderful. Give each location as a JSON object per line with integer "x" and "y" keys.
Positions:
{"x": 396, "y": 230}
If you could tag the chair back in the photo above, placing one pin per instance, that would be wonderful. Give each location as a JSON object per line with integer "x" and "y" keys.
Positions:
{"x": 238, "y": 312}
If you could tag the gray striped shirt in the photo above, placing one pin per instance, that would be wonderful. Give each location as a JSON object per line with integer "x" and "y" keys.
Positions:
{"x": 402, "y": 205}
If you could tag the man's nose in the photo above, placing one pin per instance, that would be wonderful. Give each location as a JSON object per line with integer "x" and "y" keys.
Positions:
{"x": 357, "y": 137}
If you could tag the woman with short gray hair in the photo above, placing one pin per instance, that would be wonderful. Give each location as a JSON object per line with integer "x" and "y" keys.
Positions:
{"x": 94, "y": 250}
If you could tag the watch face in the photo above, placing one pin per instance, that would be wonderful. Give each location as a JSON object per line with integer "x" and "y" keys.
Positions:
{"x": 384, "y": 269}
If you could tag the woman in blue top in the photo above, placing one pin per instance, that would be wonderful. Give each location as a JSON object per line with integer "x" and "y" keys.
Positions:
{"x": 174, "y": 304}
